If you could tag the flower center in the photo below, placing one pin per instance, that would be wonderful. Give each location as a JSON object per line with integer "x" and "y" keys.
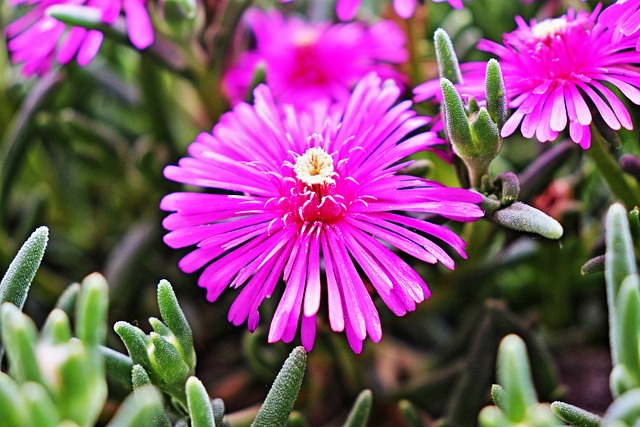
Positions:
{"x": 549, "y": 27}
{"x": 314, "y": 167}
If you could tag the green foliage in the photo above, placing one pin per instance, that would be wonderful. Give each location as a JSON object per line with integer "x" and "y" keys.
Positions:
{"x": 359, "y": 415}
{"x": 279, "y": 402}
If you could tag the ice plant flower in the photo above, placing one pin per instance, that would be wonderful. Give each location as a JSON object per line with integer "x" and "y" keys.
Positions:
{"x": 37, "y": 39}
{"x": 306, "y": 62}
{"x": 623, "y": 17}
{"x": 314, "y": 194}
{"x": 347, "y": 9}
{"x": 555, "y": 68}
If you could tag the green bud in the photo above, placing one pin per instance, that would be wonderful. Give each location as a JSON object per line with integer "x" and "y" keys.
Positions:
{"x": 522, "y": 217}
{"x": 359, "y": 414}
{"x": 57, "y": 328}
{"x": 176, "y": 321}
{"x": 446, "y": 56}
{"x": 92, "y": 308}
{"x": 12, "y": 407}
{"x": 575, "y": 416}
{"x": 200, "y": 410}
{"x": 20, "y": 336}
{"x": 77, "y": 16}
{"x": 40, "y": 407}
{"x": 514, "y": 375}
{"x": 486, "y": 146}
{"x": 496, "y": 93}
{"x": 134, "y": 340}
{"x": 280, "y": 400}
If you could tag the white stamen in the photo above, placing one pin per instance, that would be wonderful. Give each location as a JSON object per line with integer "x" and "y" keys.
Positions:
{"x": 314, "y": 167}
{"x": 549, "y": 27}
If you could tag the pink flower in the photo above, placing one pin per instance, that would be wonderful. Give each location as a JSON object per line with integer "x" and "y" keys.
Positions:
{"x": 36, "y": 39}
{"x": 347, "y": 9}
{"x": 308, "y": 62}
{"x": 314, "y": 194}
{"x": 555, "y": 68}
{"x": 623, "y": 18}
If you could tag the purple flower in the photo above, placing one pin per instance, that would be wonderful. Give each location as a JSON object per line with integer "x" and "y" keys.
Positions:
{"x": 554, "y": 69}
{"x": 36, "y": 39}
{"x": 307, "y": 62}
{"x": 314, "y": 194}
{"x": 347, "y": 9}
{"x": 623, "y": 18}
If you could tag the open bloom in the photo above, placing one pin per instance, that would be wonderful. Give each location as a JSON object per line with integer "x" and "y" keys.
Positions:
{"x": 623, "y": 17}
{"x": 347, "y": 9}
{"x": 36, "y": 39}
{"x": 314, "y": 194}
{"x": 306, "y": 62}
{"x": 555, "y": 68}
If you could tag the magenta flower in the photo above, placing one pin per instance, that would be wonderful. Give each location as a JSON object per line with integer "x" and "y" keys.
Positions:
{"x": 554, "y": 68}
{"x": 347, "y": 9}
{"x": 36, "y": 39}
{"x": 308, "y": 62}
{"x": 623, "y": 17}
{"x": 314, "y": 195}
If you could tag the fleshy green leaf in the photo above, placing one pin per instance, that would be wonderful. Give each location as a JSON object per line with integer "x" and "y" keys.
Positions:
{"x": 67, "y": 300}
{"x": 139, "y": 409}
{"x": 141, "y": 381}
{"x": 218, "y": 410}
{"x": 139, "y": 377}
{"x": 117, "y": 365}
{"x": 77, "y": 16}
{"x": 410, "y": 413}
{"x": 456, "y": 120}
{"x": 496, "y": 93}
{"x": 199, "y": 404}
{"x": 514, "y": 375}
{"x": 628, "y": 312}
{"x": 498, "y": 395}
{"x": 20, "y": 336}
{"x": 166, "y": 361}
{"x": 176, "y": 321}
{"x": 57, "y": 328}
{"x": 280, "y": 400}
{"x": 619, "y": 263}
{"x": 15, "y": 284}
{"x": 12, "y": 408}
{"x": 522, "y": 217}
{"x": 91, "y": 310}
{"x": 359, "y": 414}
{"x": 133, "y": 340}
{"x": 40, "y": 407}
{"x": 575, "y": 416}
{"x": 446, "y": 56}
{"x": 624, "y": 408}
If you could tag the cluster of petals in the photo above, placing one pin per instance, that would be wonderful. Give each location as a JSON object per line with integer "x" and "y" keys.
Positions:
{"x": 347, "y": 9}
{"x": 37, "y": 40}
{"x": 309, "y": 196}
{"x": 623, "y": 17}
{"x": 307, "y": 62}
{"x": 554, "y": 70}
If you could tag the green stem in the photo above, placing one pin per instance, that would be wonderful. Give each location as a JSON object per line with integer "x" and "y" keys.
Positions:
{"x": 611, "y": 172}
{"x": 414, "y": 57}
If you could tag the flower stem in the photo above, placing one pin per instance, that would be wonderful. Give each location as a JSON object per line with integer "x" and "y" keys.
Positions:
{"x": 611, "y": 172}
